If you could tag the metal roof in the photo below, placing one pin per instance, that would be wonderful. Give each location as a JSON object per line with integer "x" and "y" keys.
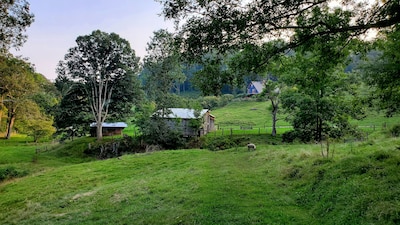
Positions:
{"x": 184, "y": 113}
{"x": 116, "y": 124}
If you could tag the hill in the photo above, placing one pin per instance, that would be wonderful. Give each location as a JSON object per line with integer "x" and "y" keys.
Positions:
{"x": 276, "y": 184}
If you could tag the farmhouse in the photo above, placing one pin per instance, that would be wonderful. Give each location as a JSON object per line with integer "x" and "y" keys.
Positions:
{"x": 109, "y": 129}
{"x": 191, "y": 122}
{"x": 255, "y": 87}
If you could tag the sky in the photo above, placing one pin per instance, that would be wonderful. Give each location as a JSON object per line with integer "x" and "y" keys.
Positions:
{"x": 59, "y": 22}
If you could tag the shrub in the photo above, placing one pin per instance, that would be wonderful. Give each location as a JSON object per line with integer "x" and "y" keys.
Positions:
{"x": 289, "y": 136}
{"x": 10, "y": 172}
{"x": 210, "y": 102}
{"x": 115, "y": 148}
{"x": 395, "y": 130}
{"x": 223, "y": 142}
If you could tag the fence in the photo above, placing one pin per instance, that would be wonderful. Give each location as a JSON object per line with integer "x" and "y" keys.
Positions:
{"x": 249, "y": 130}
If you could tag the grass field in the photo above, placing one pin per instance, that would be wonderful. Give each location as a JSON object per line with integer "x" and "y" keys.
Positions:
{"x": 257, "y": 116}
{"x": 275, "y": 184}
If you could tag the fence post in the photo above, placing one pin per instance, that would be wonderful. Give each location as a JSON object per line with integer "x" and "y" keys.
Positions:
{"x": 231, "y": 132}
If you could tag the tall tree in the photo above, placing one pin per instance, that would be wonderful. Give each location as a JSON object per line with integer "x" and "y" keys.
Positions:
{"x": 162, "y": 68}
{"x": 15, "y": 17}
{"x": 99, "y": 61}
{"x": 319, "y": 101}
{"x": 383, "y": 72}
{"x": 227, "y": 24}
{"x": 213, "y": 75}
{"x": 272, "y": 91}
{"x": 17, "y": 85}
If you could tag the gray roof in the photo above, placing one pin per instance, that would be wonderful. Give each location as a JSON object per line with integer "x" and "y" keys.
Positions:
{"x": 116, "y": 124}
{"x": 184, "y": 113}
{"x": 258, "y": 85}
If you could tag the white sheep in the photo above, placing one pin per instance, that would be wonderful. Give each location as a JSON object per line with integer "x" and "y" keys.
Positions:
{"x": 251, "y": 146}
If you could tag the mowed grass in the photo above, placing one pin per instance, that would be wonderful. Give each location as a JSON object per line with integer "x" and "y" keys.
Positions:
{"x": 253, "y": 117}
{"x": 276, "y": 184}
{"x": 246, "y": 114}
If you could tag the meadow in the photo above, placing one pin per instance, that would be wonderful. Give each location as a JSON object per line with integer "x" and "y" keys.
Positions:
{"x": 275, "y": 184}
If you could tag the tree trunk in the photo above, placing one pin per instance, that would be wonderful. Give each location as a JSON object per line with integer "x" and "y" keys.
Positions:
{"x": 10, "y": 125}
{"x": 99, "y": 132}
{"x": 274, "y": 119}
{"x": 1, "y": 111}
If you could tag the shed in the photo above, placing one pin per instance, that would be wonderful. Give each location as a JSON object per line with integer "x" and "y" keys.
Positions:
{"x": 109, "y": 129}
{"x": 186, "y": 117}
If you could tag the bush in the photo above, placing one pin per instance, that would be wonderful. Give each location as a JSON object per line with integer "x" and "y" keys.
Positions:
{"x": 289, "y": 136}
{"x": 223, "y": 142}
{"x": 10, "y": 172}
{"x": 115, "y": 148}
{"x": 395, "y": 130}
{"x": 212, "y": 102}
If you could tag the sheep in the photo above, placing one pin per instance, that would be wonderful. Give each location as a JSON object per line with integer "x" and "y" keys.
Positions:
{"x": 251, "y": 146}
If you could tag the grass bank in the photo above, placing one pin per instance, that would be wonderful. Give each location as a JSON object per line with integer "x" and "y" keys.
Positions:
{"x": 276, "y": 184}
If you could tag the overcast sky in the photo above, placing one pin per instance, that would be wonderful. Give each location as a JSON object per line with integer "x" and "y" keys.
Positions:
{"x": 59, "y": 22}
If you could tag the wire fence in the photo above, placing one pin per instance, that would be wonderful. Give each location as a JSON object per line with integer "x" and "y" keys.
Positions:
{"x": 250, "y": 130}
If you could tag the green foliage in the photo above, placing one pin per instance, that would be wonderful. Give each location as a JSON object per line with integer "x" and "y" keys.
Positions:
{"x": 213, "y": 75}
{"x": 162, "y": 69}
{"x": 395, "y": 130}
{"x": 73, "y": 111}
{"x": 15, "y": 17}
{"x": 21, "y": 89}
{"x": 231, "y": 24}
{"x": 115, "y": 147}
{"x": 319, "y": 100}
{"x": 162, "y": 132}
{"x": 290, "y": 136}
{"x": 382, "y": 72}
{"x": 102, "y": 64}
{"x": 223, "y": 142}
{"x": 10, "y": 172}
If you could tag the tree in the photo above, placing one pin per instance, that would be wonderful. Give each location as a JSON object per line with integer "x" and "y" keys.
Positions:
{"x": 271, "y": 92}
{"x": 383, "y": 72}
{"x": 17, "y": 85}
{"x": 213, "y": 75}
{"x": 14, "y": 19}
{"x": 319, "y": 100}
{"x": 162, "y": 68}
{"x": 34, "y": 122}
{"x": 232, "y": 24}
{"x": 99, "y": 61}
{"x": 251, "y": 61}
{"x": 72, "y": 113}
